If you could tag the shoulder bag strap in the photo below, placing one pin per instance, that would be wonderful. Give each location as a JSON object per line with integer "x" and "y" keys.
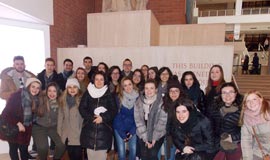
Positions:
{"x": 260, "y": 146}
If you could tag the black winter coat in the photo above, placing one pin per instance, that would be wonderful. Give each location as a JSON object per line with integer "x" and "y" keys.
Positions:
{"x": 201, "y": 137}
{"x": 55, "y": 78}
{"x": 97, "y": 136}
{"x": 224, "y": 124}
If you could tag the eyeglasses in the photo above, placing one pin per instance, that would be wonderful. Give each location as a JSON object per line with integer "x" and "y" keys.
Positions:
{"x": 21, "y": 83}
{"x": 228, "y": 93}
{"x": 174, "y": 91}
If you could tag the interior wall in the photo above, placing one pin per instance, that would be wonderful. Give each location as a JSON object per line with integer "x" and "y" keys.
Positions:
{"x": 192, "y": 34}
{"x": 70, "y": 27}
{"x": 166, "y": 11}
{"x": 179, "y": 59}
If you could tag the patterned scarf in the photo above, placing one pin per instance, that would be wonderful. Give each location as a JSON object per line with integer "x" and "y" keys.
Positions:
{"x": 27, "y": 101}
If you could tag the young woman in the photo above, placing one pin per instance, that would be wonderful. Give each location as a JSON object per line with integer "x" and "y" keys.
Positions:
{"x": 144, "y": 69}
{"x": 224, "y": 115}
{"x": 124, "y": 123}
{"x": 114, "y": 79}
{"x": 98, "y": 109}
{"x": 215, "y": 81}
{"x": 192, "y": 132}
{"x": 165, "y": 74}
{"x": 69, "y": 123}
{"x": 138, "y": 79}
{"x": 255, "y": 115}
{"x": 150, "y": 119}
{"x": 192, "y": 88}
{"x": 46, "y": 123}
{"x": 82, "y": 77}
{"x": 175, "y": 92}
{"x": 18, "y": 112}
{"x": 153, "y": 74}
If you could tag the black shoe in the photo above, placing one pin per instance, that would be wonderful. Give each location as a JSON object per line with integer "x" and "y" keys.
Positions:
{"x": 31, "y": 157}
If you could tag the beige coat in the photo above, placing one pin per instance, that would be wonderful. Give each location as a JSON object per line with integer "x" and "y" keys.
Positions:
{"x": 69, "y": 122}
{"x": 250, "y": 148}
{"x": 8, "y": 85}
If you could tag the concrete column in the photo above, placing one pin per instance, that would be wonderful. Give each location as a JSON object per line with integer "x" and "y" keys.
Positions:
{"x": 238, "y": 7}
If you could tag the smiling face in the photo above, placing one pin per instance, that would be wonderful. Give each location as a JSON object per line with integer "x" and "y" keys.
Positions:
{"x": 52, "y": 93}
{"x": 164, "y": 76}
{"x": 99, "y": 81}
{"x": 115, "y": 75}
{"x": 127, "y": 86}
{"x": 182, "y": 114}
{"x": 72, "y": 90}
{"x": 253, "y": 102}
{"x": 136, "y": 78}
{"x": 34, "y": 88}
{"x": 174, "y": 93}
{"x": 150, "y": 89}
{"x": 228, "y": 95}
{"x": 215, "y": 74}
{"x": 80, "y": 74}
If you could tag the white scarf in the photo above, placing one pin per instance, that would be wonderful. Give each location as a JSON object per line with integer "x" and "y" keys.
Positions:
{"x": 96, "y": 92}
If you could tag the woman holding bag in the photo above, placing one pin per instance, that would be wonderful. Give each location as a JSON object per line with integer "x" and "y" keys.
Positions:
{"x": 255, "y": 130}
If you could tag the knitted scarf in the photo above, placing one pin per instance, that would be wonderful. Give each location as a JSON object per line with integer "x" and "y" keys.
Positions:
{"x": 71, "y": 101}
{"x": 96, "y": 92}
{"x": 27, "y": 106}
{"x": 252, "y": 118}
{"x": 129, "y": 99}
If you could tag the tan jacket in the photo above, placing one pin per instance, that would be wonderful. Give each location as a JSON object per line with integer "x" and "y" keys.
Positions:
{"x": 7, "y": 84}
{"x": 249, "y": 145}
{"x": 69, "y": 123}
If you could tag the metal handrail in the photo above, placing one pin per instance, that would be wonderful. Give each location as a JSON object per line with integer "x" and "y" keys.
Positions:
{"x": 235, "y": 82}
{"x": 231, "y": 12}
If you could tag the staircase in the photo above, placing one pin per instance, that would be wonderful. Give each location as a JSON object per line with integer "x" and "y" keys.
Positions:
{"x": 254, "y": 82}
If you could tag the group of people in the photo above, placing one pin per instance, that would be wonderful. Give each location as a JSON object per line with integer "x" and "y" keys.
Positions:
{"x": 147, "y": 110}
{"x": 255, "y": 65}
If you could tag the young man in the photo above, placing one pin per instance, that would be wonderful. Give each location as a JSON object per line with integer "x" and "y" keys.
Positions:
{"x": 88, "y": 66}
{"x": 67, "y": 72}
{"x": 49, "y": 74}
{"x": 127, "y": 66}
{"x": 13, "y": 78}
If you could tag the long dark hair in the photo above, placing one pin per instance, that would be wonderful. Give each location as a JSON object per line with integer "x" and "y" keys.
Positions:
{"x": 210, "y": 81}
{"x": 195, "y": 80}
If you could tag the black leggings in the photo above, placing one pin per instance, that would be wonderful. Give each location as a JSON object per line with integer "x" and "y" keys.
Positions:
{"x": 13, "y": 151}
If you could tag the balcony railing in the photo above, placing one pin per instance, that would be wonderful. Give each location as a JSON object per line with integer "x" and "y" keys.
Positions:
{"x": 231, "y": 12}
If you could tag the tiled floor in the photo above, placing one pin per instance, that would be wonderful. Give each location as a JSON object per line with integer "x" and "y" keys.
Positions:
{"x": 4, "y": 156}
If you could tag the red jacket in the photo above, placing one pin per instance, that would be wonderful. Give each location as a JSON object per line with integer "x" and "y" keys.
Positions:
{"x": 13, "y": 113}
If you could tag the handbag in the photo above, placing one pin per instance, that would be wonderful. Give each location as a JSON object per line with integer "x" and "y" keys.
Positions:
{"x": 265, "y": 156}
{"x": 7, "y": 131}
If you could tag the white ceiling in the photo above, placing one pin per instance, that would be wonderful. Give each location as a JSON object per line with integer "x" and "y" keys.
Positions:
{"x": 8, "y": 12}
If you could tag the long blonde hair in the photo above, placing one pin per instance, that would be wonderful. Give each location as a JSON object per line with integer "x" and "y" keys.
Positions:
{"x": 265, "y": 108}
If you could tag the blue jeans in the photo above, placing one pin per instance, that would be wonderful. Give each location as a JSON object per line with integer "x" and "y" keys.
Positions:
{"x": 122, "y": 149}
{"x": 172, "y": 152}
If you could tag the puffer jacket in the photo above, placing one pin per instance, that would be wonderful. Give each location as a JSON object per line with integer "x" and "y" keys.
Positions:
{"x": 124, "y": 122}
{"x": 157, "y": 120}
{"x": 201, "y": 136}
{"x": 224, "y": 124}
{"x": 97, "y": 136}
{"x": 7, "y": 84}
